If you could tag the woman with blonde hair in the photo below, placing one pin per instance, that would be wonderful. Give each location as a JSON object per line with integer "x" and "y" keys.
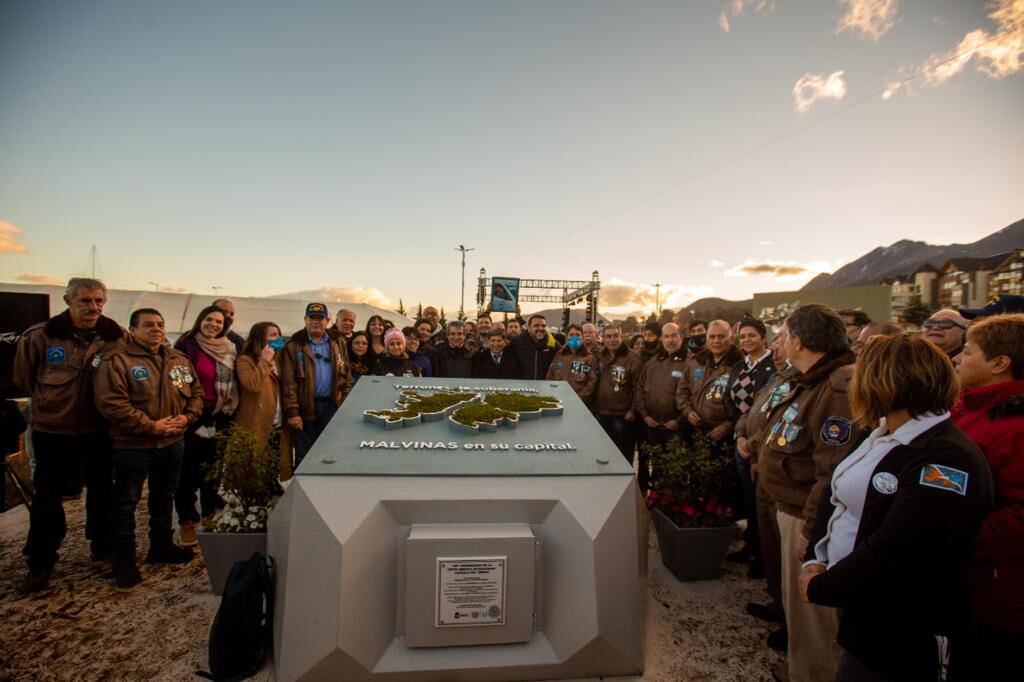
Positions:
{"x": 894, "y": 539}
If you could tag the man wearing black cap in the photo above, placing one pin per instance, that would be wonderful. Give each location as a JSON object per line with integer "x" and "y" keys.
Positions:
{"x": 1001, "y": 304}
{"x": 315, "y": 378}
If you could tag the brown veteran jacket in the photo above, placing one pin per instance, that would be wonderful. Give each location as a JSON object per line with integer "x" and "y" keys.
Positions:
{"x": 135, "y": 388}
{"x": 620, "y": 369}
{"x": 259, "y": 388}
{"x": 808, "y": 433}
{"x": 753, "y": 422}
{"x": 704, "y": 386}
{"x": 656, "y": 390}
{"x": 579, "y": 368}
{"x": 57, "y": 369}
{"x": 298, "y": 384}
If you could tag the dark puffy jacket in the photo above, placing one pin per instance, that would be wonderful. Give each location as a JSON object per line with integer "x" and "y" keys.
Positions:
{"x": 452, "y": 362}
{"x": 484, "y": 367}
{"x": 534, "y": 357}
{"x": 993, "y": 417}
{"x": 388, "y": 365}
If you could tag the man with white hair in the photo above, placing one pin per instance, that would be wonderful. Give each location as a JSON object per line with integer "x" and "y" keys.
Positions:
{"x": 56, "y": 365}
{"x": 703, "y": 389}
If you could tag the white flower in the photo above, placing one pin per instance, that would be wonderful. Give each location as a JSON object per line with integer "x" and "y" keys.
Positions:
{"x": 250, "y": 517}
{"x": 234, "y": 522}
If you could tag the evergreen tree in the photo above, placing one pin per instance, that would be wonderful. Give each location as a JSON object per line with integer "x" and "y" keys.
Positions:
{"x": 419, "y": 310}
{"x": 401, "y": 308}
{"x": 443, "y": 321}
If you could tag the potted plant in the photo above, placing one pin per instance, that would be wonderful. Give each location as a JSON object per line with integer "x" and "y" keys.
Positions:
{"x": 247, "y": 468}
{"x": 692, "y": 520}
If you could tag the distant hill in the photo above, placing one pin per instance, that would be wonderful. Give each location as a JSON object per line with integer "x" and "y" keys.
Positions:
{"x": 905, "y": 256}
{"x": 711, "y": 304}
{"x": 554, "y": 316}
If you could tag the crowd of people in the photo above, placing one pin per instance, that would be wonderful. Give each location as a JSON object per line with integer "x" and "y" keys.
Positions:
{"x": 881, "y": 472}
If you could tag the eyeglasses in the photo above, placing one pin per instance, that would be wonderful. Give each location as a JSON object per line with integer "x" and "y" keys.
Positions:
{"x": 941, "y": 324}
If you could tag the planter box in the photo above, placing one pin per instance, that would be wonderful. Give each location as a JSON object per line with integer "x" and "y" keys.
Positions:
{"x": 692, "y": 553}
{"x": 221, "y": 550}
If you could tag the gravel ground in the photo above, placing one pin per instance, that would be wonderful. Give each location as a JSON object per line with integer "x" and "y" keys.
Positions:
{"x": 83, "y": 628}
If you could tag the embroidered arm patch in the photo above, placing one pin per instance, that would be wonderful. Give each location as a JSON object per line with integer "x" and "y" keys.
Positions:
{"x": 944, "y": 478}
{"x": 836, "y": 431}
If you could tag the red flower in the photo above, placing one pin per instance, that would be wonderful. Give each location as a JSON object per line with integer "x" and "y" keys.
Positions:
{"x": 689, "y": 510}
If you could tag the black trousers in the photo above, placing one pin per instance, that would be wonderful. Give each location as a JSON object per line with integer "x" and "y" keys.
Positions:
{"x": 131, "y": 468}
{"x": 622, "y": 433}
{"x": 61, "y": 463}
{"x": 199, "y": 456}
{"x": 752, "y": 536}
{"x": 311, "y": 430}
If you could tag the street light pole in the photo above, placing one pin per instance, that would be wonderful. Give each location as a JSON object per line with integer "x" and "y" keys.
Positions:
{"x": 657, "y": 298}
{"x": 462, "y": 302}
{"x": 156, "y": 287}
{"x": 216, "y": 289}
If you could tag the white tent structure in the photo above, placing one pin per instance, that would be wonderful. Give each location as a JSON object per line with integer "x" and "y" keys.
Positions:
{"x": 180, "y": 310}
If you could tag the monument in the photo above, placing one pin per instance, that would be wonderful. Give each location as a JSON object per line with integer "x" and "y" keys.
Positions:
{"x": 460, "y": 529}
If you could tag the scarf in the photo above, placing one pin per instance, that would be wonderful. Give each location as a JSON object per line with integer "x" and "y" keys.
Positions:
{"x": 223, "y": 353}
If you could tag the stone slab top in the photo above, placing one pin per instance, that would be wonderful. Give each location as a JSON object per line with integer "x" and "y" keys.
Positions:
{"x": 527, "y": 435}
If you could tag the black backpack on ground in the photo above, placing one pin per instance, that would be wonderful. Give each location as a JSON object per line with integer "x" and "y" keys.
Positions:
{"x": 242, "y": 629}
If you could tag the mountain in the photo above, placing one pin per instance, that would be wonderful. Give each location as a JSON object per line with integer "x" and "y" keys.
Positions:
{"x": 905, "y": 256}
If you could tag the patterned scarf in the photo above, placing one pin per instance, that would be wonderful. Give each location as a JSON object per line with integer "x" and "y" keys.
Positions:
{"x": 223, "y": 353}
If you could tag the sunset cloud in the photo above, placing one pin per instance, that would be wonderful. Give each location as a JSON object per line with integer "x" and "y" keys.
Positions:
{"x": 738, "y": 7}
{"x": 175, "y": 289}
{"x": 715, "y": 263}
{"x": 10, "y": 238}
{"x": 813, "y": 87}
{"x": 620, "y": 294}
{"x": 868, "y": 19}
{"x": 997, "y": 55}
{"x": 33, "y": 278}
{"x": 365, "y": 295}
{"x": 783, "y": 271}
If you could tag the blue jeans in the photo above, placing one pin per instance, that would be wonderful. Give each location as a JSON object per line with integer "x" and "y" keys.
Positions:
{"x": 131, "y": 467}
{"x": 311, "y": 430}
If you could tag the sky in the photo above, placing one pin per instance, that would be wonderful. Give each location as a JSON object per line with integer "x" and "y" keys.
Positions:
{"x": 716, "y": 147}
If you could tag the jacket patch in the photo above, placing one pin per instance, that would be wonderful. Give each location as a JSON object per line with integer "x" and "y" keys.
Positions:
{"x": 698, "y": 373}
{"x": 677, "y": 374}
{"x": 96, "y": 360}
{"x": 836, "y": 431}
{"x": 791, "y": 412}
{"x": 55, "y": 355}
{"x": 140, "y": 372}
{"x": 885, "y": 483}
{"x": 579, "y": 367}
{"x": 944, "y": 478}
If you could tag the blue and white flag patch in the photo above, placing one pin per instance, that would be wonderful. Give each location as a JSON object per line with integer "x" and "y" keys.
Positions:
{"x": 140, "y": 372}
{"x": 698, "y": 374}
{"x": 55, "y": 355}
{"x": 944, "y": 478}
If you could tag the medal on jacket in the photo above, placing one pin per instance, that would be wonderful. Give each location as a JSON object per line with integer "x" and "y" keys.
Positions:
{"x": 618, "y": 377}
{"x": 96, "y": 360}
{"x": 176, "y": 379}
{"x": 782, "y": 441}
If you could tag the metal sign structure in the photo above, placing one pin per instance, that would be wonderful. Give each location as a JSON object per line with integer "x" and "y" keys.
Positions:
{"x": 572, "y": 292}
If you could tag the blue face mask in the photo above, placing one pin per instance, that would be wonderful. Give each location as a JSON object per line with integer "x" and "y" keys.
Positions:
{"x": 574, "y": 342}
{"x": 276, "y": 344}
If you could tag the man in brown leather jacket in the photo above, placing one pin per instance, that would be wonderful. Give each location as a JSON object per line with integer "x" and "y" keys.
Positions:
{"x": 315, "y": 378}
{"x": 656, "y": 398}
{"x": 703, "y": 389}
{"x": 807, "y": 433}
{"x": 150, "y": 394}
{"x": 617, "y": 377}
{"x": 55, "y": 364}
{"x": 575, "y": 364}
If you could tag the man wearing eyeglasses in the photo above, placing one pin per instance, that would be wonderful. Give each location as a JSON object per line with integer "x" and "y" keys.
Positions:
{"x": 946, "y": 328}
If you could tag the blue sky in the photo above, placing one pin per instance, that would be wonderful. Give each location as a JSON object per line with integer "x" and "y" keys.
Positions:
{"x": 269, "y": 147}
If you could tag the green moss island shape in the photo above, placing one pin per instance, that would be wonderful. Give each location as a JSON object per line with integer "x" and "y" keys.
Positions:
{"x": 466, "y": 410}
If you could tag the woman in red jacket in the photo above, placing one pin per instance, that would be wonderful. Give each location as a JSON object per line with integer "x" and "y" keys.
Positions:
{"x": 991, "y": 412}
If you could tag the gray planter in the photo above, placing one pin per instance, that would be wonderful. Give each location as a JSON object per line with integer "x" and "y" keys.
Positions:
{"x": 221, "y": 551}
{"x": 692, "y": 553}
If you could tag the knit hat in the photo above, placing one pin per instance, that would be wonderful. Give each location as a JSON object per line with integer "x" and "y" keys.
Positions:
{"x": 393, "y": 333}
